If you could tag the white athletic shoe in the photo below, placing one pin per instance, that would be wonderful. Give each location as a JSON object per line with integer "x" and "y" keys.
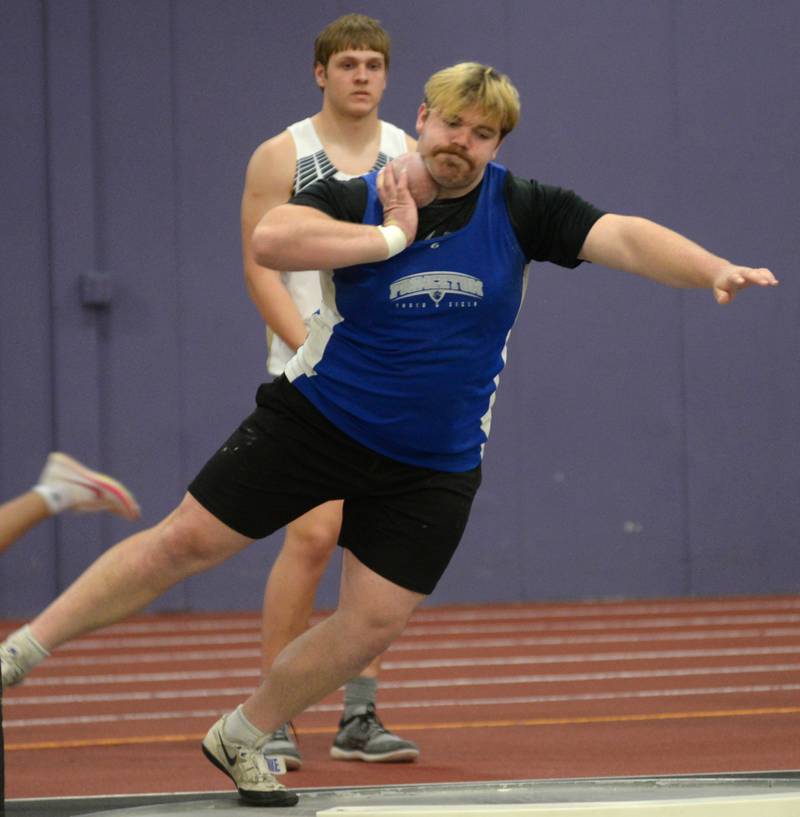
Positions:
{"x": 66, "y": 483}
{"x": 249, "y": 768}
{"x": 19, "y": 654}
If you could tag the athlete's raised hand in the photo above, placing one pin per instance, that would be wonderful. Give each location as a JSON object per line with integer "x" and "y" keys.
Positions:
{"x": 399, "y": 207}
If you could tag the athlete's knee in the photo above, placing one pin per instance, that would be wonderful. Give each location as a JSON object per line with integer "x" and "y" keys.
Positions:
{"x": 311, "y": 542}
{"x": 375, "y": 626}
{"x": 186, "y": 545}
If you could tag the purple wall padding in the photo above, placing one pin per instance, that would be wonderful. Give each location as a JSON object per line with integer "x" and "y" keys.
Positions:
{"x": 644, "y": 440}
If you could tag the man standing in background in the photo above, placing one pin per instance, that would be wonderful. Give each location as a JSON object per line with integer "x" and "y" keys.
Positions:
{"x": 344, "y": 139}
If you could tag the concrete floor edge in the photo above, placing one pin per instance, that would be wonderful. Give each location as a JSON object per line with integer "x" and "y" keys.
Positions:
{"x": 563, "y": 789}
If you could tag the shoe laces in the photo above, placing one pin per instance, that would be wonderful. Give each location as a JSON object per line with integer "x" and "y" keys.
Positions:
{"x": 369, "y": 722}
{"x": 282, "y": 733}
{"x": 254, "y": 768}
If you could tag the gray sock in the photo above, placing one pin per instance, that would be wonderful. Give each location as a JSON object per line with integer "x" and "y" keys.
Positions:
{"x": 359, "y": 693}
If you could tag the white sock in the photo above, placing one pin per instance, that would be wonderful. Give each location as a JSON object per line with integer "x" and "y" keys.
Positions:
{"x": 28, "y": 651}
{"x": 55, "y": 500}
{"x": 237, "y": 729}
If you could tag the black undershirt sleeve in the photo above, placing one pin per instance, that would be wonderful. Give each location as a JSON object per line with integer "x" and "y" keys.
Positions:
{"x": 551, "y": 223}
{"x": 342, "y": 200}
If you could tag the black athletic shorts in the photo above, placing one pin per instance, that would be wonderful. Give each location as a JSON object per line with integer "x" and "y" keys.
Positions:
{"x": 402, "y": 521}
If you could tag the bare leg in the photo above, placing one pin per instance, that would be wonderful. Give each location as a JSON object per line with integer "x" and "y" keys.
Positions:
{"x": 373, "y": 668}
{"x": 372, "y": 612}
{"x": 292, "y": 584}
{"x": 293, "y": 580}
{"x": 128, "y": 576}
{"x": 19, "y": 515}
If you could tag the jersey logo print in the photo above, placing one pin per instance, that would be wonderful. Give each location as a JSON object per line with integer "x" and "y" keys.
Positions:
{"x": 380, "y": 162}
{"x": 310, "y": 168}
{"x": 467, "y": 289}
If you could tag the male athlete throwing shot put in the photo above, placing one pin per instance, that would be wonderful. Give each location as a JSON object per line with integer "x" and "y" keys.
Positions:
{"x": 387, "y": 404}
{"x": 388, "y": 401}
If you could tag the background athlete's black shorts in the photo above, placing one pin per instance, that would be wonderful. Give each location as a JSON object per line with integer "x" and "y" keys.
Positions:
{"x": 402, "y": 521}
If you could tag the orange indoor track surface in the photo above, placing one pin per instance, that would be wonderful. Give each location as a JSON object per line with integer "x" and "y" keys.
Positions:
{"x": 500, "y": 692}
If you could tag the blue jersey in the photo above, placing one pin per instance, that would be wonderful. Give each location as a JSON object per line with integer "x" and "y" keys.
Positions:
{"x": 405, "y": 354}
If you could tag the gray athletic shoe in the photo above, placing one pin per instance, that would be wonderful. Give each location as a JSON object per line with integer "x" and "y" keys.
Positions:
{"x": 280, "y": 744}
{"x": 363, "y": 737}
{"x": 249, "y": 769}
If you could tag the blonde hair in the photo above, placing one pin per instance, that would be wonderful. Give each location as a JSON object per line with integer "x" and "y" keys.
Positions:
{"x": 356, "y": 31}
{"x": 461, "y": 86}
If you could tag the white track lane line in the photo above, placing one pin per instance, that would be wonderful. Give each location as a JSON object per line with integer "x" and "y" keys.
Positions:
{"x": 251, "y": 634}
{"x": 407, "y": 642}
{"x": 650, "y": 694}
{"x": 422, "y": 683}
{"x": 600, "y": 657}
{"x": 227, "y": 621}
{"x": 590, "y": 609}
{"x": 622, "y": 638}
{"x": 206, "y": 656}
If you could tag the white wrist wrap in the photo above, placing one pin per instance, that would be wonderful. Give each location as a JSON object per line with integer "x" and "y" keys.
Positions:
{"x": 395, "y": 239}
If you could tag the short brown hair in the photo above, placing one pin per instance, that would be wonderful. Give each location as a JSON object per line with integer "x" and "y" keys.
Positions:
{"x": 461, "y": 86}
{"x": 356, "y": 31}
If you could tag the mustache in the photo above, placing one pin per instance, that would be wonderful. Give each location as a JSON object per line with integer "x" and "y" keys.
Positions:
{"x": 455, "y": 151}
